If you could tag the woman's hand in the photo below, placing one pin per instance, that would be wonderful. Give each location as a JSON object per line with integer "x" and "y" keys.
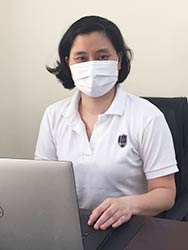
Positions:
{"x": 115, "y": 211}
{"x": 111, "y": 212}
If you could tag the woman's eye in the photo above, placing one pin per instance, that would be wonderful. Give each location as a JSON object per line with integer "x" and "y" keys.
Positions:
{"x": 103, "y": 57}
{"x": 80, "y": 59}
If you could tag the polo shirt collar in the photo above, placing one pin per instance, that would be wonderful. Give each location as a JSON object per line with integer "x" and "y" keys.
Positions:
{"x": 118, "y": 105}
{"x": 72, "y": 109}
{"x": 116, "y": 108}
{"x": 71, "y": 113}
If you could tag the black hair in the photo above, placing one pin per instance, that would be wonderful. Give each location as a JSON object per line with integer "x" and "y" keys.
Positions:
{"x": 86, "y": 25}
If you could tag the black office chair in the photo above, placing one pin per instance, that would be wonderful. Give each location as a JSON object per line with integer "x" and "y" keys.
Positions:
{"x": 176, "y": 114}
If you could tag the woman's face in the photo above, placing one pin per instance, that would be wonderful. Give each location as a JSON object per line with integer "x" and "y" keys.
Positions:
{"x": 92, "y": 46}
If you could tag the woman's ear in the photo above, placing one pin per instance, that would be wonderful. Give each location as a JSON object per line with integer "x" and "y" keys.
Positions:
{"x": 119, "y": 60}
{"x": 67, "y": 60}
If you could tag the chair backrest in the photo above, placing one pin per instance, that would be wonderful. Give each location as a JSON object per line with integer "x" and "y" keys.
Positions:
{"x": 176, "y": 113}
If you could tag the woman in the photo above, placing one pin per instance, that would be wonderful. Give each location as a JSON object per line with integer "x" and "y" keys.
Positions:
{"x": 120, "y": 144}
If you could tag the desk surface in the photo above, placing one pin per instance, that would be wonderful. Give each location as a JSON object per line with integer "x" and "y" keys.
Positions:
{"x": 160, "y": 234}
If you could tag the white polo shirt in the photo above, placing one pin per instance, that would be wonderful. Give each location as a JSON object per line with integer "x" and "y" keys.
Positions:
{"x": 130, "y": 143}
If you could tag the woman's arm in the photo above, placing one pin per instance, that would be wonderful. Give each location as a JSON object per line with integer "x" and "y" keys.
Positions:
{"x": 115, "y": 211}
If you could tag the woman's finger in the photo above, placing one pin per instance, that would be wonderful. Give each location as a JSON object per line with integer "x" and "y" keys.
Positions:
{"x": 111, "y": 220}
{"x": 107, "y": 218}
{"x": 121, "y": 220}
{"x": 98, "y": 211}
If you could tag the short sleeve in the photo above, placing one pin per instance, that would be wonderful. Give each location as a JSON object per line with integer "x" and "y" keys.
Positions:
{"x": 157, "y": 149}
{"x": 45, "y": 147}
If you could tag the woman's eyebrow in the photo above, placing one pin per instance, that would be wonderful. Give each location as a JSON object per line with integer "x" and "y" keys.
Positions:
{"x": 77, "y": 53}
{"x": 103, "y": 50}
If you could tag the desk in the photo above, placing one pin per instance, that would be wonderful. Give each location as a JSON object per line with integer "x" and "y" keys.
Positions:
{"x": 160, "y": 234}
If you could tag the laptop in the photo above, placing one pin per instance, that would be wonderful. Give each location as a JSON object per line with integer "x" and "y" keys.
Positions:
{"x": 39, "y": 208}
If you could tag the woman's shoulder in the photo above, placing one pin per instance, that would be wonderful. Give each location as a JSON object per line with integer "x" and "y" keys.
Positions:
{"x": 60, "y": 105}
{"x": 141, "y": 109}
{"x": 61, "y": 108}
{"x": 142, "y": 105}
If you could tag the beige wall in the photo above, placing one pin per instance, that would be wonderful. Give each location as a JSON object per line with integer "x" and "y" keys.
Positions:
{"x": 157, "y": 32}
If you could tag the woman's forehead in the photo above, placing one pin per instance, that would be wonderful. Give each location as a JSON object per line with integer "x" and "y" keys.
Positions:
{"x": 93, "y": 41}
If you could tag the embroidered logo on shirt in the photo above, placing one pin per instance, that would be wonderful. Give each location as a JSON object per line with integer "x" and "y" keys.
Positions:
{"x": 122, "y": 140}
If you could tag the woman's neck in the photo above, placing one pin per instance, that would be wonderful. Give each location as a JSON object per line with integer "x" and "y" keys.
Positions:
{"x": 96, "y": 105}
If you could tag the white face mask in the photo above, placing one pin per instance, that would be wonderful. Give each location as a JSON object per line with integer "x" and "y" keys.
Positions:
{"x": 95, "y": 78}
